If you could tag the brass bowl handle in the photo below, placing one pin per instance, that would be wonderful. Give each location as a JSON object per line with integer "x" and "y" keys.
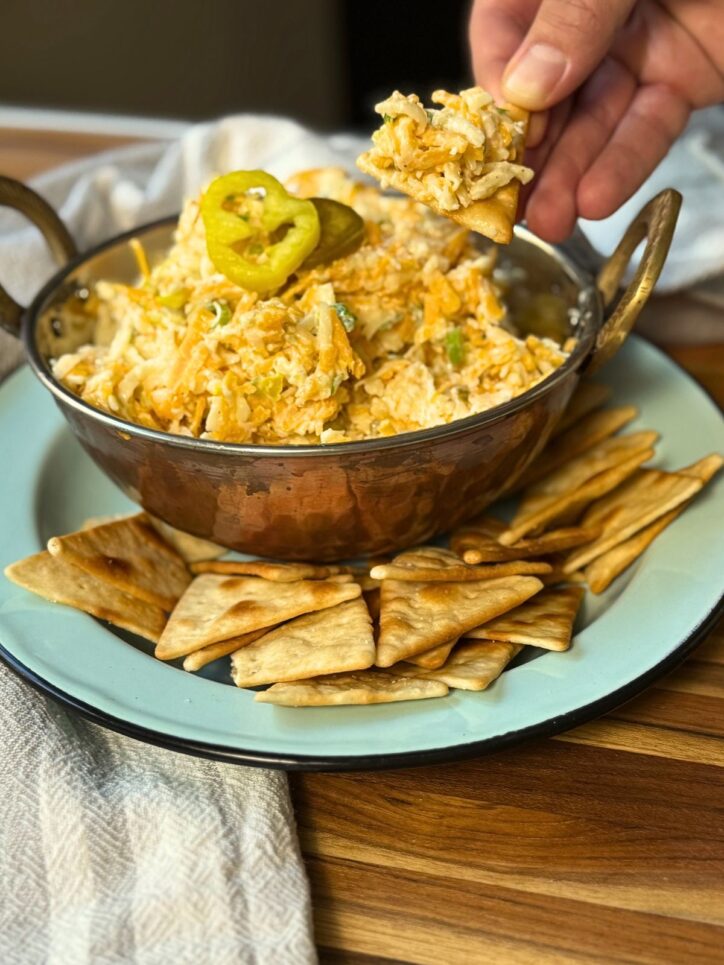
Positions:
{"x": 655, "y": 222}
{"x": 14, "y": 194}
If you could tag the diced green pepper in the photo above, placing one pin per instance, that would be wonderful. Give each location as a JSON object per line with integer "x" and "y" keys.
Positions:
{"x": 220, "y": 310}
{"x": 346, "y": 317}
{"x": 455, "y": 346}
{"x": 270, "y": 386}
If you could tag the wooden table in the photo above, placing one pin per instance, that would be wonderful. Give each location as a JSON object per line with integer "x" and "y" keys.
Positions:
{"x": 605, "y": 844}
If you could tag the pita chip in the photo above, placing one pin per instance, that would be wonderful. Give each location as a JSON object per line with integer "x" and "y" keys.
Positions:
{"x": 493, "y": 216}
{"x": 364, "y": 687}
{"x": 216, "y": 608}
{"x": 330, "y": 641}
{"x": 277, "y": 572}
{"x": 57, "y": 580}
{"x": 562, "y": 495}
{"x": 643, "y": 499}
{"x": 214, "y": 651}
{"x": 432, "y": 659}
{"x": 473, "y": 665}
{"x": 129, "y": 555}
{"x": 190, "y": 548}
{"x": 545, "y": 621}
{"x": 479, "y": 548}
{"x": 606, "y": 567}
{"x": 585, "y": 434}
{"x": 415, "y": 617}
{"x": 432, "y": 564}
{"x": 587, "y": 397}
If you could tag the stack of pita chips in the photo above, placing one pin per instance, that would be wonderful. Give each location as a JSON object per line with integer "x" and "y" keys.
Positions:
{"x": 588, "y": 496}
{"x": 121, "y": 571}
{"x": 460, "y": 624}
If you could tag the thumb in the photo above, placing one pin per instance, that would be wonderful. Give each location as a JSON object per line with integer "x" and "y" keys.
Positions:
{"x": 565, "y": 43}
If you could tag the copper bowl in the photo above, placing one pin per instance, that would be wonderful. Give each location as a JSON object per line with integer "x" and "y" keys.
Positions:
{"x": 349, "y": 499}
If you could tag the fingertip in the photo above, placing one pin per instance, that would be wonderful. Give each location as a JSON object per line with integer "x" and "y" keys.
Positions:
{"x": 596, "y": 198}
{"x": 551, "y": 215}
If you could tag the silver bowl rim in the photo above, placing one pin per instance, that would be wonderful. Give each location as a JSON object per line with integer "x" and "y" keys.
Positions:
{"x": 591, "y": 317}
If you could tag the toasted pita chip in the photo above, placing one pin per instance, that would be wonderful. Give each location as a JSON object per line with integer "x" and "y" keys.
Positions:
{"x": 364, "y": 687}
{"x": 578, "y": 470}
{"x": 330, "y": 641}
{"x": 199, "y": 658}
{"x": 561, "y": 496}
{"x": 479, "y": 548}
{"x": 432, "y": 659}
{"x": 585, "y": 434}
{"x": 545, "y": 621}
{"x": 557, "y": 576}
{"x": 604, "y": 570}
{"x": 650, "y": 494}
{"x": 587, "y": 397}
{"x": 216, "y": 608}
{"x": 92, "y": 521}
{"x": 368, "y": 584}
{"x": 277, "y": 572}
{"x": 415, "y": 617}
{"x": 472, "y": 666}
{"x": 129, "y": 555}
{"x": 432, "y": 564}
{"x": 57, "y": 580}
{"x": 493, "y": 217}
{"x": 190, "y": 548}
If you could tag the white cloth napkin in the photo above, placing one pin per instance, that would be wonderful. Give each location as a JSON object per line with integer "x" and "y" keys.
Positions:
{"x": 694, "y": 166}
{"x": 113, "y": 851}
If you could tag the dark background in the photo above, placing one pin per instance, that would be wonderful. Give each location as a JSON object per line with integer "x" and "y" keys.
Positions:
{"x": 324, "y": 62}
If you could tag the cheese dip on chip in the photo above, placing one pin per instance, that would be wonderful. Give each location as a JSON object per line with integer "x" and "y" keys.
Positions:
{"x": 407, "y": 331}
{"x": 448, "y": 158}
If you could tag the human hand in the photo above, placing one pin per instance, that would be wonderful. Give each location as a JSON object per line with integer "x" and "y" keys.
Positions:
{"x": 612, "y": 83}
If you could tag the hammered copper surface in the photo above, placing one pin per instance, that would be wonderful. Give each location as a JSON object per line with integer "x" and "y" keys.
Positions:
{"x": 326, "y": 506}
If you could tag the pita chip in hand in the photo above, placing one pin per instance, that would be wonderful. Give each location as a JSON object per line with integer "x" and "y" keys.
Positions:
{"x": 415, "y": 617}
{"x": 363, "y": 687}
{"x": 57, "y": 580}
{"x": 405, "y": 149}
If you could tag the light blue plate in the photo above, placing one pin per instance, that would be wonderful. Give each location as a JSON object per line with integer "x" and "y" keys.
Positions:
{"x": 646, "y": 622}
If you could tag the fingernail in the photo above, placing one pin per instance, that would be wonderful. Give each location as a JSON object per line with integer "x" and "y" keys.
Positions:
{"x": 533, "y": 77}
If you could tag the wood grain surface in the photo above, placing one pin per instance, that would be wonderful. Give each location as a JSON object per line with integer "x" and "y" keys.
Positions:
{"x": 605, "y": 844}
